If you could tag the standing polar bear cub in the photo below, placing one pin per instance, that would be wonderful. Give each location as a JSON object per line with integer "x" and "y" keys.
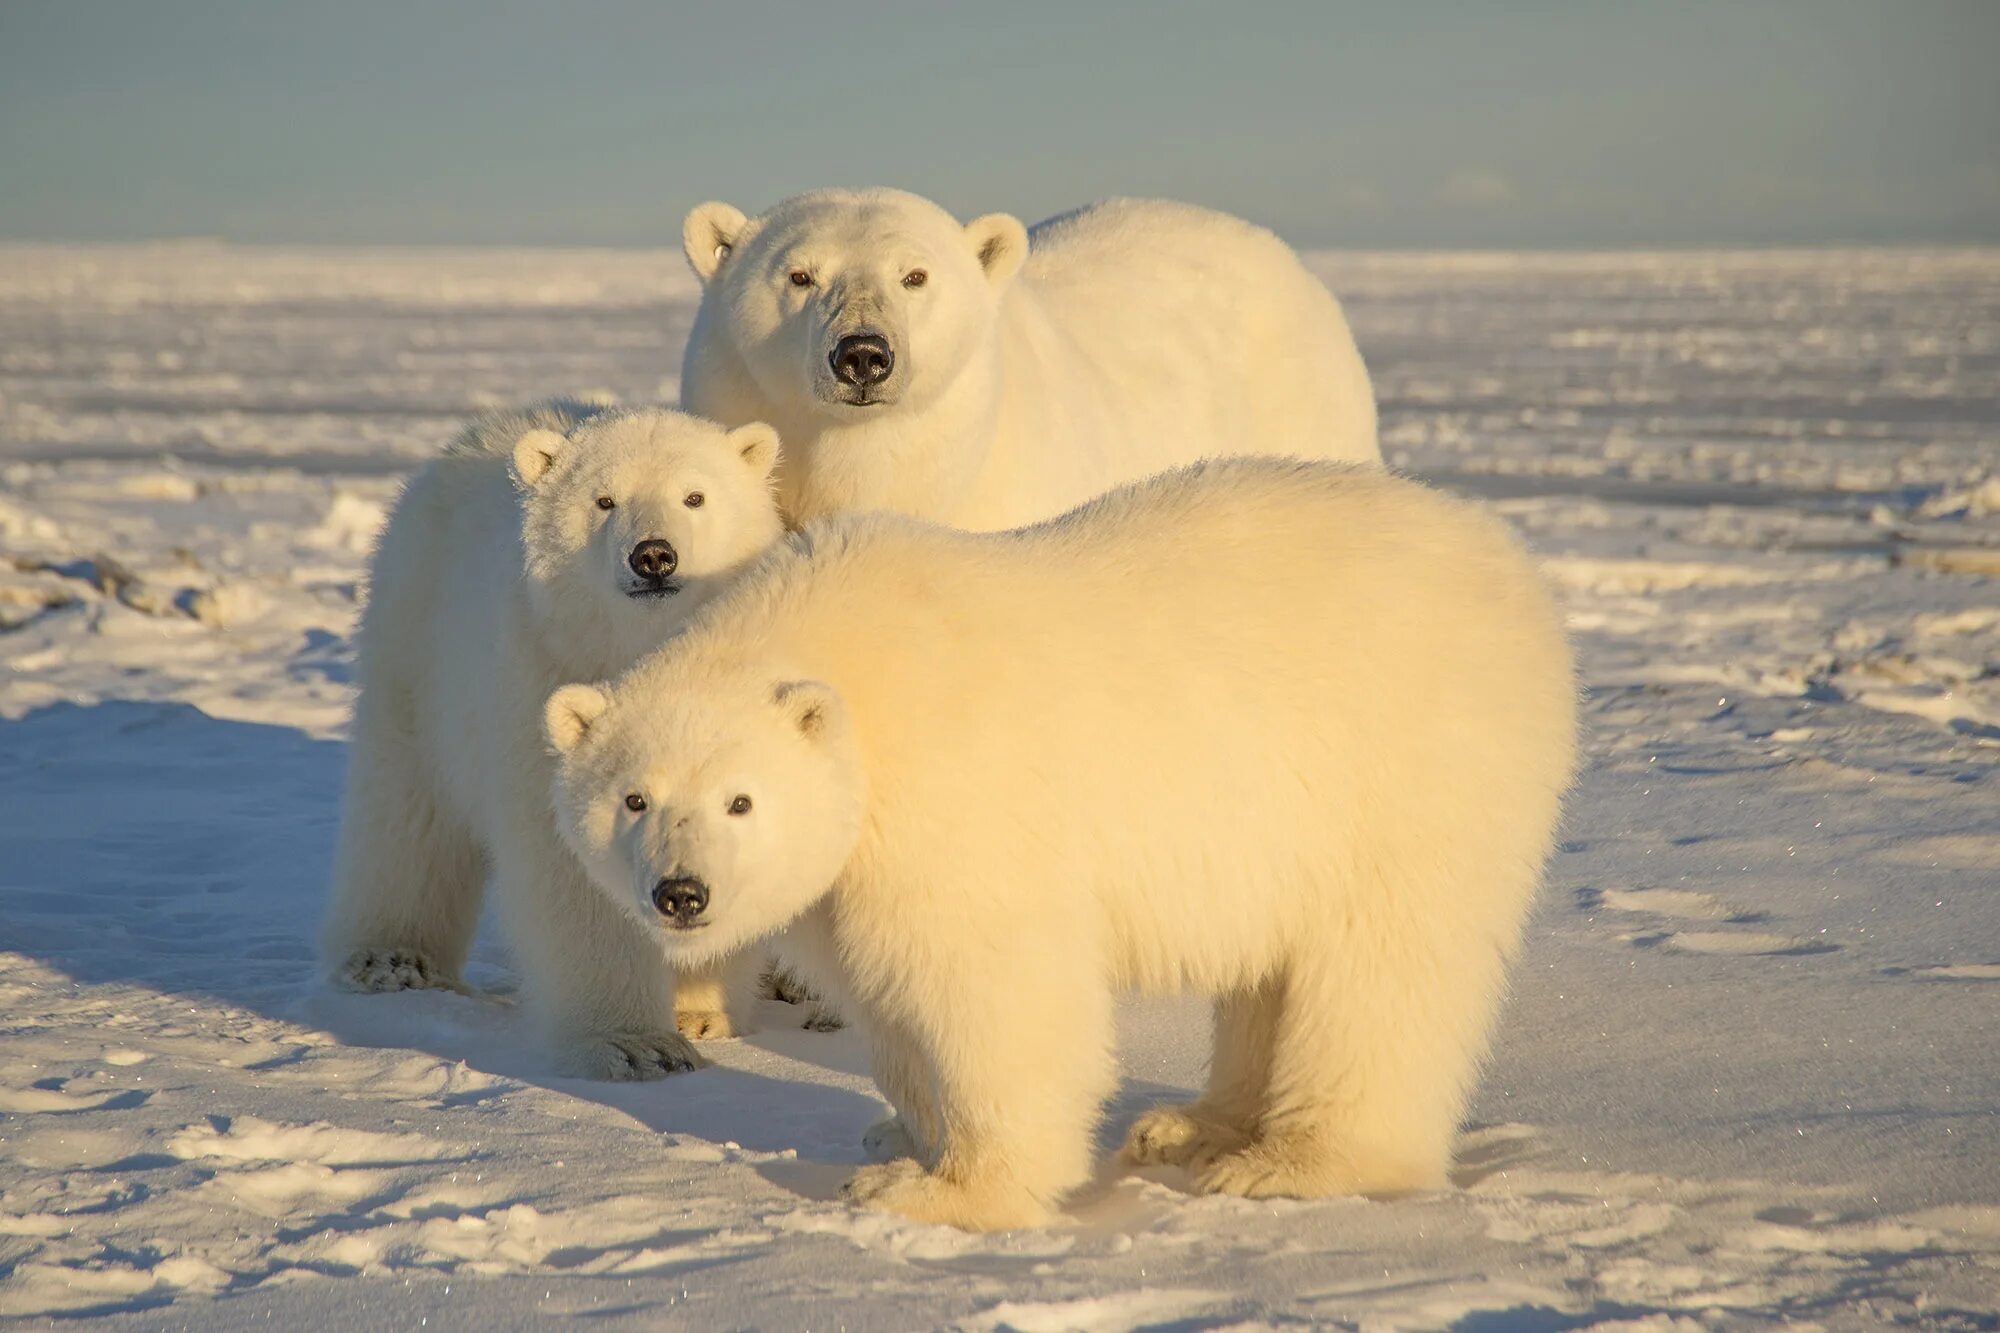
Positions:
{"x": 968, "y": 374}
{"x": 1291, "y": 734}
{"x": 543, "y": 545}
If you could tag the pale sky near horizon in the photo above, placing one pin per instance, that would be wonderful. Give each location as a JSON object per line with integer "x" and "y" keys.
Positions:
{"x": 1432, "y": 123}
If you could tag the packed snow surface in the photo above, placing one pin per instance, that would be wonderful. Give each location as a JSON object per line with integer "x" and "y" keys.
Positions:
{"x": 1749, "y": 1072}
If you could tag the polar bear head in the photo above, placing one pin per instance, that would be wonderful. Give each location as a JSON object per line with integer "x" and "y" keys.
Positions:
{"x": 843, "y": 304}
{"x": 714, "y": 805}
{"x": 634, "y": 513}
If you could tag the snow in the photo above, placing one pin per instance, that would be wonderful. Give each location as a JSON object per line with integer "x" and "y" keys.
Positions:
{"x": 1747, "y": 1074}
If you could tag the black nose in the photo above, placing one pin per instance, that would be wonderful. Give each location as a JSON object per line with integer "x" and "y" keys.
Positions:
{"x": 683, "y": 899}
{"x": 862, "y": 359}
{"x": 653, "y": 559}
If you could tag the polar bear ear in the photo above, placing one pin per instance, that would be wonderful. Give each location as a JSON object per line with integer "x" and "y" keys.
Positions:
{"x": 570, "y": 712}
{"x": 709, "y": 234}
{"x": 814, "y": 708}
{"x": 757, "y": 445}
{"x": 1001, "y": 243}
{"x": 535, "y": 453}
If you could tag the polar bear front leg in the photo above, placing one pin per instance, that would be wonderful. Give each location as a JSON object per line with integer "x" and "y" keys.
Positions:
{"x": 719, "y": 1001}
{"x": 904, "y": 1076}
{"x": 407, "y": 874}
{"x": 599, "y": 988}
{"x": 1019, "y": 1085}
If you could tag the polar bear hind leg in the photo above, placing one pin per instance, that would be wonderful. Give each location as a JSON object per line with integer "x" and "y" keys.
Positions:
{"x": 408, "y": 877}
{"x": 1375, "y": 1046}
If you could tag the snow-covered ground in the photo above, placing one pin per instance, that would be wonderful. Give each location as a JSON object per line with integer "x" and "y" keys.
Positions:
{"x": 1750, "y": 1071}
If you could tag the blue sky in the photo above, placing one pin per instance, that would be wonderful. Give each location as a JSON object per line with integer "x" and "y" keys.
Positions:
{"x": 1425, "y": 123}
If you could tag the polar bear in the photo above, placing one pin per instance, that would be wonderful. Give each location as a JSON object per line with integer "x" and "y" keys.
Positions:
{"x": 962, "y": 374}
{"x": 561, "y": 541}
{"x": 1291, "y": 734}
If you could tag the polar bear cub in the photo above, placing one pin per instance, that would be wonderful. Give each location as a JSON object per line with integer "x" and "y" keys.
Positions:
{"x": 986, "y": 376}
{"x": 543, "y": 545}
{"x": 1291, "y": 734}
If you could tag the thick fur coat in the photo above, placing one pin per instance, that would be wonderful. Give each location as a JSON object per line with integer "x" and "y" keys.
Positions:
{"x": 1294, "y": 735}
{"x": 1012, "y": 375}
{"x": 511, "y": 564}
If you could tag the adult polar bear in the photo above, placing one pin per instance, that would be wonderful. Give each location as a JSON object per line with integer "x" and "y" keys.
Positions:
{"x": 962, "y": 374}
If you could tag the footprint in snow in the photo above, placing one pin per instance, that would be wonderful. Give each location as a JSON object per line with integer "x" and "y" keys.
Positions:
{"x": 1682, "y": 903}
{"x": 1691, "y": 906}
{"x": 1748, "y": 943}
{"x": 1948, "y": 972}
{"x": 55, "y": 1101}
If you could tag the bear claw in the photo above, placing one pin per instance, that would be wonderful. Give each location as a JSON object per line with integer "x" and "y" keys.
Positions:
{"x": 704, "y": 1024}
{"x": 874, "y": 1182}
{"x": 1172, "y": 1136}
{"x": 905, "y": 1188}
{"x": 889, "y": 1141}
{"x": 377, "y": 971}
{"x": 631, "y": 1057}
{"x": 1247, "y": 1173}
{"x": 819, "y": 1018}
{"x": 784, "y": 987}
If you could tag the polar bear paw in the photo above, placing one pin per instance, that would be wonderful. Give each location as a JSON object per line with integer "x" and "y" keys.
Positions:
{"x": 1175, "y": 1136}
{"x": 820, "y": 1018}
{"x": 782, "y": 986}
{"x": 379, "y": 970}
{"x": 785, "y": 988}
{"x": 1304, "y": 1167}
{"x": 889, "y": 1140}
{"x": 879, "y": 1186}
{"x": 704, "y": 1024}
{"x": 630, "y": 1057}
{"x": 1255, "y": 1172}
{"x": 905, "y": 1188}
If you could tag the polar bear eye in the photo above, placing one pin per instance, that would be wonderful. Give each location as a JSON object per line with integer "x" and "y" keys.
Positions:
{"x": 801, "y": 278}
{"x": 695, "y": 500}
{"x": 635, "y": 803}
{"x": 740, "y": 806}
{"x": 916, "y": 277}
{"x": 606, "y": 502}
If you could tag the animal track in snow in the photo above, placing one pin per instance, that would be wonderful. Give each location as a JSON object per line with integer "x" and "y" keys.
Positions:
{"x": 1948, "y": 972}
{"x": 1689, "y": 905}
{"x": 1128, "y": 1311}
{"x": 248, "y": 1139}
{"x": 1749, "y": 943}
{"x": 32, "y": 1101}
{"x": 1685, "y": 903}
{"x": 1963, "y": 851}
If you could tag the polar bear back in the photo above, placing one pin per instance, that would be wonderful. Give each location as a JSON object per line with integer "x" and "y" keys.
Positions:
{"x": 442, "y": 631}
{"x": 1277, "y": 674}
{"x": 1207, "y": 332}
{"x": 1143, "y": 334}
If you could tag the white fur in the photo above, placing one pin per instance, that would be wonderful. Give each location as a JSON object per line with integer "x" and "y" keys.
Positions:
{"x": 1134, "y": 336}
{"x": 1290, "y": 734}
{"x": 498, "y": 578}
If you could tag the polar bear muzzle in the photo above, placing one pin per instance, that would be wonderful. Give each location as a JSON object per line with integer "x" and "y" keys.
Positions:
{"x": 654, "y": 561}
{"x": 862, "y": 360}
{"x": 681, "y": 900}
